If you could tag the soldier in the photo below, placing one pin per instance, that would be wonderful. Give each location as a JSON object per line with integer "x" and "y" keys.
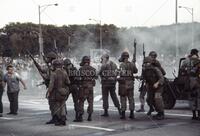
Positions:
{"x": 155, "y": 62}
{"x": 73, "y": 87}
{"x": 192, "y": 67}
{"x": 108, "y": 74}
{"x": 154, "y": 82}
{"x": 87, "y": 82}
{"x": 12, "y": 79}
{"x": 58, "y": 92}
{"x": 1, "y": 90}
{"x": 126, "y": 84}
{"x": 46, "y": 72}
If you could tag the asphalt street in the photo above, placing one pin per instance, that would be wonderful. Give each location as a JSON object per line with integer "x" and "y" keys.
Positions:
{"x": 33, "y": 113}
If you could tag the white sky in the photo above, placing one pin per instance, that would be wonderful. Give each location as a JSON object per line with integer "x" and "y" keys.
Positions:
{"x": 118, "y": 12}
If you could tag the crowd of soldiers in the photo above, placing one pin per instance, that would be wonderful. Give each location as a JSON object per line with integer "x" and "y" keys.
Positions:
{"x": 62, "y": 78}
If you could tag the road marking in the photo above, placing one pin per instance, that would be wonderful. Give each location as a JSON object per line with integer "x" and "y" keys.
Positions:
{"x": 6, "y": 118}
{"x": 92, "y": 127}
{"x": 181, "y": 115}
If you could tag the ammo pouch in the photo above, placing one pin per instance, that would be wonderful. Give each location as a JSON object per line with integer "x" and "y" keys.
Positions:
{"x": 62, "y": 94}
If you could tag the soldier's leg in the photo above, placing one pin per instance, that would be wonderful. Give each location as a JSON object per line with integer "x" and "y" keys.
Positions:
{"x": 105, "y": 90}
{"x": 60, "y": 113}
{"x": 159, "y": 105}
{"x": 75, "y": 98}
{"x": 131, "y": 103}
{"x": 90, "y": 99}
{"x": 150, "y": 99}
{"x": 114, "y": 97}
{"x": 123, "y": 100}
{"x": 52, "y": 106}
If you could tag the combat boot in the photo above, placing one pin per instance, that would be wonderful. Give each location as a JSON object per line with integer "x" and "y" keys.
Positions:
{"x": 76, "y": 117}
{"x": 151, "y": 109}
{"x": 119, "y": 111}
{"x": 61, "y": 122}
{"x": 132, "y": 116}
{"x": 198, "y": 115}
{"x": 105, "y": 114}
{"x": 123, "y": 116}
{"x": 141, "y": 109}
{"x": 80, "y": 118}
{"x": 89, "y": 117}
{"x": 194, "y": 116}
{"x": 159, "y": 116}
{"x": 53, "y": 120}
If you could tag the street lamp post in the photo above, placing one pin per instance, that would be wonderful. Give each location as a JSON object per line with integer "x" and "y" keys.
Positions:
{"x": 100, "y": 33}
{"x": 43, "y": 7}
{"x": 191, "y": 11}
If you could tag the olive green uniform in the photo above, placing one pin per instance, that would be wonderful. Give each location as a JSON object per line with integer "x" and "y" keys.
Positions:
{"x": 108, "y": 80}
{"x": 87, "y": 82}
{"x": 59, "y": 80}
{"x": 192, "y": 67}
{"x": 126, "y": 85}
{"x": 152, "y": 75}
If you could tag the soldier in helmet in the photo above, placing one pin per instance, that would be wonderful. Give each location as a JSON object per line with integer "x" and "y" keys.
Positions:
{"x": 126, "y": 84}
{"x": 143, "y": 88}
{"x": 156, "y": 63}
{"x": 73, "y": 87}
{"x": 46, "y": 72}
{"x": 58, "y": 92}
{"x": 192, "y": 67}
{"x": 87, "y": 82}
{"x": 154, "y": 80}
{"x": 108, "y": 74}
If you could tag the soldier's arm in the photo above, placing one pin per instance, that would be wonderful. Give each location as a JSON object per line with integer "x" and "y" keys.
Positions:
{"x": 161, "y": 77}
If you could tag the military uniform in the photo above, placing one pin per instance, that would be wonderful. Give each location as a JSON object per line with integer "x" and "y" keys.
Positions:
{"x": 126, "y": 84}
{"x": 154, "y": 81}
{"x": 108, "y": 74}
{"x": 87, "y": 82}
{"x": 58, "y": 92}
{"x": 192, "y": 67}
{"x": 73, "y": 87}
{"x": 46, "y": 72}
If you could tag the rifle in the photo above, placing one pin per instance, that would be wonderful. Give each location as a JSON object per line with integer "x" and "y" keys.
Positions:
{"x": 134, "y": 52}
{"x": 45, "y": 79}
{"x": 144, "y": 51}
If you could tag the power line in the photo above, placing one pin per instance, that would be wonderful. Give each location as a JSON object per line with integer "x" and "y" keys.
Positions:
{"x": 163, "y": 4}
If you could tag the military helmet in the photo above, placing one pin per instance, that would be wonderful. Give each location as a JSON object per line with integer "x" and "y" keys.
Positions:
{"x": 85, "y": 59}
{"x": 51, "y": 55}
{"x": 57, "y": 63}
{"x": 123, "y": 56}
{"x": 105, "y": 56}
{"x": 194, "y": 52}
{"x": 67, "y": 62}
{"x": 153, "y": 54}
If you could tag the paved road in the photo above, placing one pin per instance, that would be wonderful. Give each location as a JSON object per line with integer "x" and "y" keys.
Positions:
{"x": 34, "y": 113}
